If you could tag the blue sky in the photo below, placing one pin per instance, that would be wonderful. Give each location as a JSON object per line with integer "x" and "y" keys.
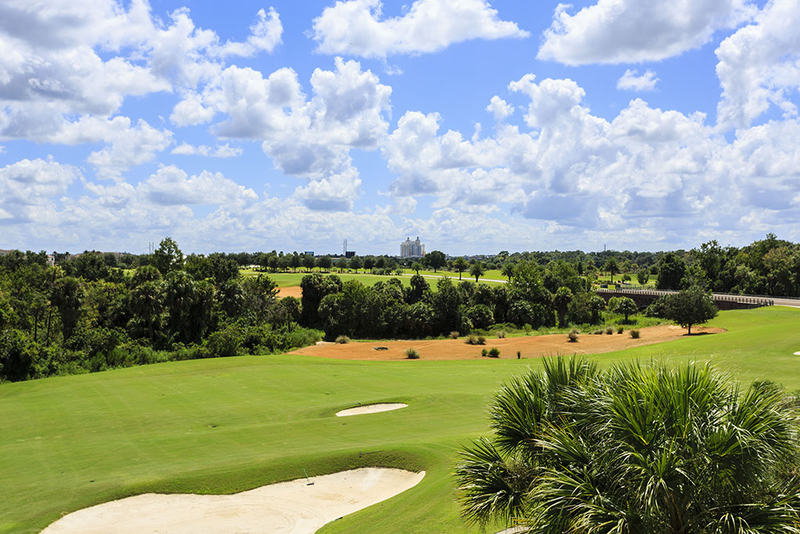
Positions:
{"x": 479, "y": 126}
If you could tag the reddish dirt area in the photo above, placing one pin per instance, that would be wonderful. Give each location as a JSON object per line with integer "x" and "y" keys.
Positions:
{"x": 294, "y": 291}
{"x": 529, "y": 347}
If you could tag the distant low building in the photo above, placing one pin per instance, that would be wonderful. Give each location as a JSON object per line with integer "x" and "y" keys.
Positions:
{"x": 412, "y": 249}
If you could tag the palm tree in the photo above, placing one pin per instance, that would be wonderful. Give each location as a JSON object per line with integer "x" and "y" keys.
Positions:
{"x": 507, "y": 270}
{"x": 612, "y": 268}
{"x": 477, "y": 270}
{"x": 416, "y": 267}
{"x": 460, "y": 265}
{"x": 635, "y": 449}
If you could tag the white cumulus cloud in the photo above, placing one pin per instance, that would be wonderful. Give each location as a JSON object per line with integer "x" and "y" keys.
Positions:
{"x": 172, "y": 186}
{"x": 221, "y": 151}
{"x": 631, "y": 31}
{"x": 357, "y": 27}
{"x": 633, "y": 81}
{"x": 759, "y": 66}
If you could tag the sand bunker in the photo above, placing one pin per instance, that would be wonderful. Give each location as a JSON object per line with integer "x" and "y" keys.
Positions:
{"x": 292, "y": 291}
{"x": 371, "y": 408}
{"x": 797, "y": 353}
{"x": 528, "y": 347}
{"x": 289, "y": 507}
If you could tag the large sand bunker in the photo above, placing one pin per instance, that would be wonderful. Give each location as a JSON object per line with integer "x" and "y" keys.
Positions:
{"x": 289, "y": 507}
{"x": 371, "y": 408}
{"x": 528, "y": 347}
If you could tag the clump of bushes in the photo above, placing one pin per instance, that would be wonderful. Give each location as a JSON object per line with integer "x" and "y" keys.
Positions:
{"x": 342, "y": 340}
{"x": 634, "y": 334}
{"x": 494, "y": 352}
{"x": 484, "y": 353}
{"x": 476, "y": 340}
{"x": 412, "y": 354}
{"x": 501, "y": 334}
{"x": 453, "y": 335}
{"x": 572, "y": 336}
{"x": 620, "y": 330}
{"x": 610, "y": 330}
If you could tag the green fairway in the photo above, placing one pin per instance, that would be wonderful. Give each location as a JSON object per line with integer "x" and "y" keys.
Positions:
{"x": 226, "y": 425}
{"x": 369, "y": 280}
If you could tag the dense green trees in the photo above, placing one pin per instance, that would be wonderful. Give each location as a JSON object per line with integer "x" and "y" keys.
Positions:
{"x": 54, "y": 323}
{"x": 635, "y": 449}
{"x": 671, "y": 270}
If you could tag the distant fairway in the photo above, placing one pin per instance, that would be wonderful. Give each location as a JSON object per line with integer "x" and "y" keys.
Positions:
{"x": 369, "y": 280}
{"x": 225, "y": 425}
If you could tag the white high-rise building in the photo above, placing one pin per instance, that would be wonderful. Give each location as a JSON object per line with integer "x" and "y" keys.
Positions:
{"x": 412, "y": 249}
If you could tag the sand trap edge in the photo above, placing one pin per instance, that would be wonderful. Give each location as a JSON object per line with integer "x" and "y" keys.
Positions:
{"x": 371, "y": 408}
{"x": 293, "y": 507}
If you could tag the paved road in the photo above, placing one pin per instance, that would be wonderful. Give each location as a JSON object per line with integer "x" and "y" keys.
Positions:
{"x": 793, "y": 303}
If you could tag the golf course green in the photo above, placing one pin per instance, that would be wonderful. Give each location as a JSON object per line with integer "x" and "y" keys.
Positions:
{"x": 231, "y": 424}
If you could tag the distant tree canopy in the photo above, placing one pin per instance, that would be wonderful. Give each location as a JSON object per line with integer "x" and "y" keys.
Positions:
{"x": 435, "y": 260}
{"x": 86, "y": 313}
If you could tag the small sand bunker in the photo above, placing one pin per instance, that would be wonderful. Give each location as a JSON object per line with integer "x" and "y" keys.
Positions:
{"x": 797, "y": 353}
{"x": 289, "y": 507}
{"x": 292, "y": 291}
{"x": 371, "y": 408}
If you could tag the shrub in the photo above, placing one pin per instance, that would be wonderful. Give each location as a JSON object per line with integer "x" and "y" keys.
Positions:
{"x": 620, "y": 330}
{"x": 573, "y": 336}
{"x": 484, "y": 353}
{"x": 475, "y": 340}
{"x": 597, "y": 332}
{"x": 610, "y": 330}
{"x": 480, "y": 315}
{"x": 634, "y": 334}
{"x": 342, "y": 340}
{"x": 453, "y": 335}
{"x": 227, "y": 342}
{"x": 501, "y": 334}
{"x": 494, "y": 352}
{"x": 412, "y": 354}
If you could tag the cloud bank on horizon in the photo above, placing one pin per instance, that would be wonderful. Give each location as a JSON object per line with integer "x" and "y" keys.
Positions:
{"x": 477, "y": 125}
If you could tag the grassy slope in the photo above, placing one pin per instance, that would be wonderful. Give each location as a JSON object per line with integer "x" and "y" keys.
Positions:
{"x": 226, "y": 425}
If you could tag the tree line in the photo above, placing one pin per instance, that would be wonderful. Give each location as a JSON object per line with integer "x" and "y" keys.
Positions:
{"x": 84, "y": 316}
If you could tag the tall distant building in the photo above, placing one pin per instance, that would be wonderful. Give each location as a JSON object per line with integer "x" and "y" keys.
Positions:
{"x": 412, "y": 249}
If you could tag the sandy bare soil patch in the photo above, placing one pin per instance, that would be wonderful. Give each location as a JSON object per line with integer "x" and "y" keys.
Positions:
{"x": 289, "y": 507}
{"x": 528, "y": 347}
{"x": 371, "y": 408}
{"x": 293, "y": 291}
